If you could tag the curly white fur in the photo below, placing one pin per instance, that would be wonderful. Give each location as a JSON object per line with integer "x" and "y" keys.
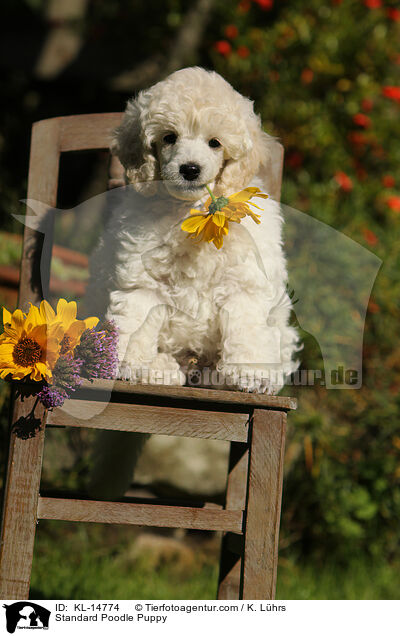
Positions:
{"x": 169, "y": 295}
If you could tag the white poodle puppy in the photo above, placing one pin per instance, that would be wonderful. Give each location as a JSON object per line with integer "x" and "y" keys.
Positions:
{"x": 172, "y": 297}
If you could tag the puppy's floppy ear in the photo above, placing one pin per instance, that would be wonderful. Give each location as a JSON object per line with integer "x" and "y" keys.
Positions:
{"x": 254, "y": 160}
{"x": 133, "y": 147}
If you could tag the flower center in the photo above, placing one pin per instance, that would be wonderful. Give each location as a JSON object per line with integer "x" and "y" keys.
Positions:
{"x": 217, "y": 204}
{"x": 27, "y": 352}
{"x": 65, "y": 344}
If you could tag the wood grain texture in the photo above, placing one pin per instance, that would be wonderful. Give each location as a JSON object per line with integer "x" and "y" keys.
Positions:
{"x": 139, "y": 514}
{"x": 42, "y": 188}
{"x": 263, "y": 510}
{"x": 217, "y": 396}
{"x": 160, "y": 420}
{"x": 87, "y": 132}
{"x": 230, "y": 577}
{"x": 20, "y": 507}
{"x": 236, "y": 489}
{"x": 274, "y": 171}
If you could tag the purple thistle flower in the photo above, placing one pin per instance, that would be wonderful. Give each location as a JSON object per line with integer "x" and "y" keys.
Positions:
{"x": 110, "y": 329}
{"x": 66, "y": 379}
{"x": 52, "y": 396}
{"x": 67, "y": 373}
{"x": 98, "y": 352}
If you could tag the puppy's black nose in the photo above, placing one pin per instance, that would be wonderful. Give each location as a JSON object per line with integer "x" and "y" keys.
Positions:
{"x": 190, "y": 171}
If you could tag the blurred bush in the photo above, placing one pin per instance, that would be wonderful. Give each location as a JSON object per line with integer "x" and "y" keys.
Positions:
{"x": 325, "y": 78}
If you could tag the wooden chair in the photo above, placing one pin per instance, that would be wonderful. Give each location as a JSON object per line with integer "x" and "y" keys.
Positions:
{"x": 253, "y": 424}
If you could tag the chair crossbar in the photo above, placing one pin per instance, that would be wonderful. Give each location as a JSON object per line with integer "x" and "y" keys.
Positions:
{"x": 192, "y": 396}
{"x": 138, "y": 418}
{"x": 140, "y": 514}
{"x": 184, "y": 500}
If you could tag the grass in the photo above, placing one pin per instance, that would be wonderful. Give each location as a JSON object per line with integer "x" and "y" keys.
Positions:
{"x": 73, "y": 562}
{"x": 90, "y": 561}
{"x": 361, "y": 579}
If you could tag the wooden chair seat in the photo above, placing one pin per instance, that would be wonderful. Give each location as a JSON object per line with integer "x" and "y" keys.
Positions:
{"x": 253, "y": 424}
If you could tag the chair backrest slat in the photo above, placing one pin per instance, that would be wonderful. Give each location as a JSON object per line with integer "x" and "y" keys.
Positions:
{"x": 87, "y": 132}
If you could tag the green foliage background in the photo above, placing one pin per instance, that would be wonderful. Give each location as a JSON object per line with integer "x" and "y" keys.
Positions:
{"x": 312, "y": 68}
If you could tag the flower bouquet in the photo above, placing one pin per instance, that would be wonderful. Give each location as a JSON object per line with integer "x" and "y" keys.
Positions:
{"x": 55, "y": 351}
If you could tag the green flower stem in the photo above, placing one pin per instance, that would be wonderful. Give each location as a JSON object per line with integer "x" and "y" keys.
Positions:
{"x": 211, "y": 194}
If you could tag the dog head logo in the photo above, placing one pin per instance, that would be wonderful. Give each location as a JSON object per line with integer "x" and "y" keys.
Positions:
{"x": 26, "y": 615}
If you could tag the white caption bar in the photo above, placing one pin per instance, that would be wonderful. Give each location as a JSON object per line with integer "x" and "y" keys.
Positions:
{"x": 193, "y": 617}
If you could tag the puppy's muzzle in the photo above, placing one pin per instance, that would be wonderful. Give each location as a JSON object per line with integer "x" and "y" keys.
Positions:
{"x": 190, "y": 171}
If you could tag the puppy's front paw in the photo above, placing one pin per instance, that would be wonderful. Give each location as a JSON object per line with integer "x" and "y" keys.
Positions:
{"x": 163, "y": 370}
{"x": 254, "y": 384}
{"x": 248, "y": 379}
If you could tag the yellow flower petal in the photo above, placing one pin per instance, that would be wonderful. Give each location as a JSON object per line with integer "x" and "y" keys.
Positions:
{"x": 196, "y": 212}
{"x": 255, "y": 205}
{"x": 36, "y": 375}
{"x": 47, "y": 312}
{"x": 17, "y": 321}
{"x": 4, "y": 373}
{"x": 9, "y": 333}
{"x": 6, "y": 350}
{"x": 219, "y": 218}
{"x": 243, "y": 195}
{"x": 39, "y": 334}
{"x": 193, "y": 223}
{"x": 33, "y": 318}
{"x": 208, "y": 203}
{"x": 6, "y": 316}
{"x": 44, "y": 369}
{"x": 218, "y": 242}
{"x": 66, "y": 312}
{"x": 255, "y": 217}
{"x": 16, "y": 375}
{"x": 91, "y": 322}
{"x": 246, "y": 194}
{"x": 73, "y": 335}
{"x": 208, "y": 231}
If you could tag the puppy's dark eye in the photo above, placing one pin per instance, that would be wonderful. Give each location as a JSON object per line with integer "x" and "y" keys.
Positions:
{"x": 170, "y": 138}
{"x": 214, "y": 143}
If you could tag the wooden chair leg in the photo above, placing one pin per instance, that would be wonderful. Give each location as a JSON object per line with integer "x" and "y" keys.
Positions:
{"x": 20, "y": 502}
{"x": 230, "y": 563}
{"x": 263, "y": 509}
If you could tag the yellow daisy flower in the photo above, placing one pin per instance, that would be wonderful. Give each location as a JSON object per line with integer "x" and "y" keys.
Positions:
{"x": 65, "y": 315}
{"x": 28, "y": 346}
{"x": 213, "y": 225}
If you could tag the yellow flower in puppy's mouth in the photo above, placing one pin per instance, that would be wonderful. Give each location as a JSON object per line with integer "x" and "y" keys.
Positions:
{"x": 213, "y": 225}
